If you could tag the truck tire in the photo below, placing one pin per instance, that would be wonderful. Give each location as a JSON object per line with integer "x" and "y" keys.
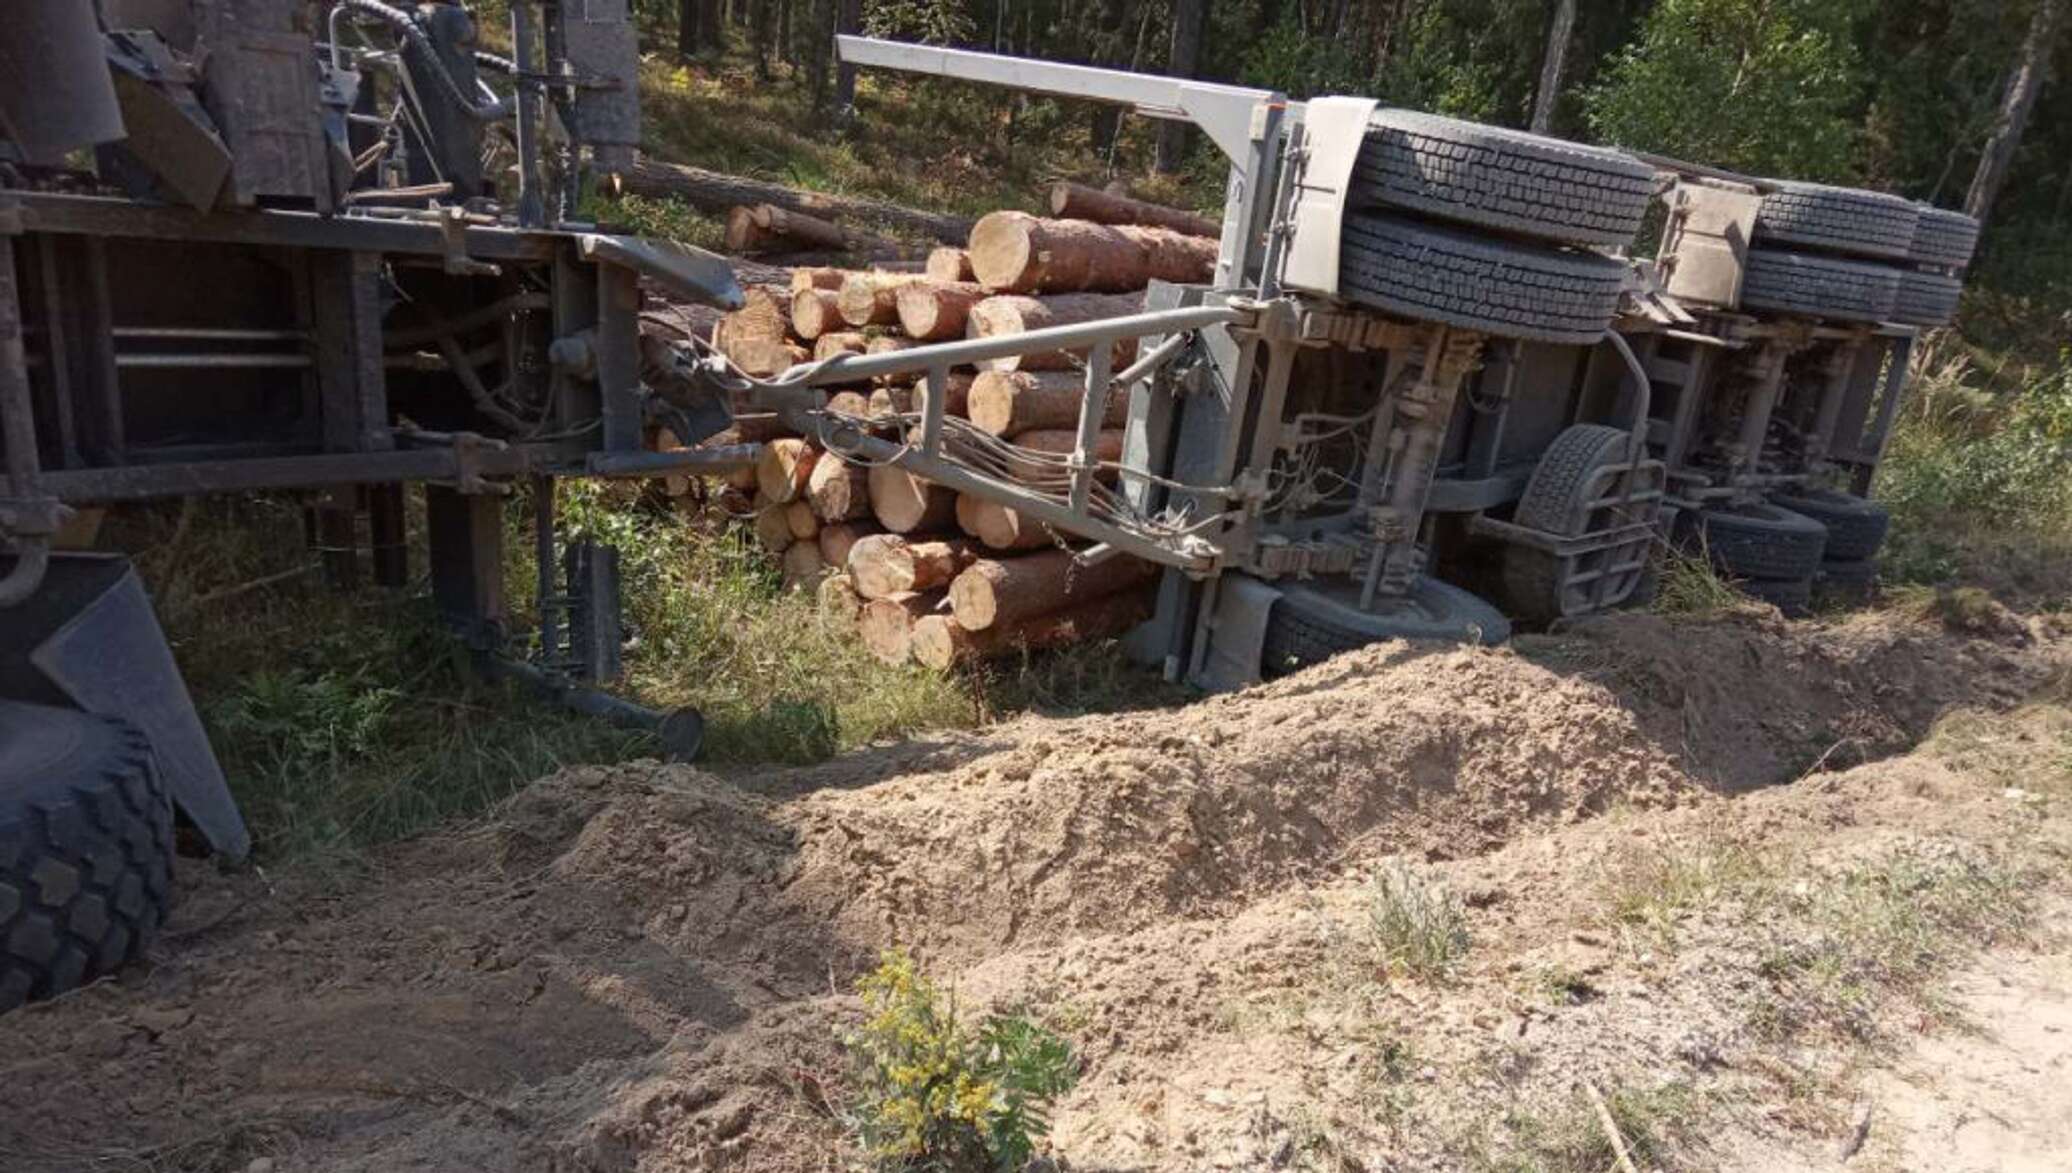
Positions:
{"x": 1818, "y": 287}
{"x": 1504, "y": 179}
{"x": 1761, "y": 541}
{"x": 1307, "y": 625}
{"x": 1791, "y": 596}
{"x": 1926, "y": 299}
{"x": 1843, "y": 220}
{"x": 1846, "y": 584}
{"x": 1945, "y": 239}
{"x": 86, "y": 849}
{"x": 1477, "y": 283}
{"x": 1855, "y": 527}
{"x": 1555, "y": 495}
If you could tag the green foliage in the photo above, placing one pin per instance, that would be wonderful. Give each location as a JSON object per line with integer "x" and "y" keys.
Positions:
{"x": 1287, "y": 58}
{"x": 932, "y": 22}
{"x": 1977, "y": 484}
{"x": 1417, "y": 924}
{"x": 1687, "y": 584}
{"x": 935, "y": 1094}
{"x": 1770, "y": 87}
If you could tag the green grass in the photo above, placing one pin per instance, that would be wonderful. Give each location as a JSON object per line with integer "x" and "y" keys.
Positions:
{"x": 1416, "y": 923}
{"x": 345, "y": 720}
{"x": 1976, "y": 477}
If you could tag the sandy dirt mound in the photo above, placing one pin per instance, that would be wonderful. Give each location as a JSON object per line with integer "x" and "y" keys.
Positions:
{"x": 638, "y": 968}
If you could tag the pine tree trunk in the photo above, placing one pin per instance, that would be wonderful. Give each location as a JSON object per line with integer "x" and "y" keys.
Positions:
{"x": 931, "y": 311}
{"x": 939, "y": 641}
{"x": 1190, "y": 28}
{"x": 2023, "y": 84}
{"x": 1553, "y": 64}
{"x": 883, "y": 565}
{"x": 904, "y": 503}
{"x": 1076, "y": 201}
{"x": 1007, "y": 403}
{"x": 1011, "y": 314}
{"x": 687, "y": 34}
{"x": 1018, "y": 253}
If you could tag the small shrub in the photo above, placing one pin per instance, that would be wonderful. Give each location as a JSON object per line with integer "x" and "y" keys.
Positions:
{"x": 1418, "y": 926}
{"x": 934, "y": 1094}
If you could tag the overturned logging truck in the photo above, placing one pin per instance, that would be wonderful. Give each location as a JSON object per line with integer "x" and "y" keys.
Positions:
{"x": 1432, "y": 386}
{"x": 316, "y": 249}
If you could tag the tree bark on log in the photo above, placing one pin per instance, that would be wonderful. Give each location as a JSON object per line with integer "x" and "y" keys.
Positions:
{"x": 1009, "y": 402}
{"x": 838, "y": 490}
{"x": 933, "y": 311}
{"x": 837, "y": 539}
{"x": 784, "y": 469}
{"x": 949, "y": 266}
{"x": 871, "y": 298}
{"x": 1061, "y": 442}
{"x": 888, "y": 564}
{"x": 999, "y": 527}
{"x": 817, "y": 278}
{"x": 904, "y": 503}
{"x": 815, "y": 312}
{"x": 1076, "y": 201}
{"x": 1018, "y": 253}
{"x": 714, "y": 192}
{"x": 887, "y": 624}
{"x": 939, "y": 641}
{"x": 1018, "y": 314}
{"x": 1001, "y": 590}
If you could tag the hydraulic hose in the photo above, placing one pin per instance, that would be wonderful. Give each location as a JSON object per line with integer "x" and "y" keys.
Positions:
{"x": 405, "y": 25}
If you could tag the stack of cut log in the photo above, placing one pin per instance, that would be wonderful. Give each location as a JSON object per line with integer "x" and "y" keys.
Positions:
{"x": 922, "y": 572}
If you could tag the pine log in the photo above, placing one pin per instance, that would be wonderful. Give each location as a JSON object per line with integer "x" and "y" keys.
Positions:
{"x": 900, "y": 400}
{"x": 1019, "y": 253}
{"x": 904, "y": 503}
{"x": 838, "y": 490}
{"x": 839, "y": 602}
{"x": 814, "y": 312}
{"x": 1007, "y": 402}
{"x": 849, "y": 403}
{"x": 1001, "y": 590}
{"x": 800, "y": 519}
{"x": 802, "y": 564}
{"x": 889, "y": 344}
{"x": 836, "y": 539}
{"x": 889, "y": 564}
{"x": 762, "y": 358}
{"x": 765, "y": 315}
{"x": 817, "y": 278}
{"x": 949, "y": 265}
{"x": 887, "y": 624}
{"x": 715, "y": 192}
{"x": 933, "y": 311}
{"x": 846, "y": 342}
{"x": 1076, "y": 201}
{"x": 784, "y": 469}
{"x": 1000, "y": 527}
{"x": 872, "y": 298}
{"x": 940, "y": 641}
{"x": 770, "y": 528}
{"x": 1062, "y": 442}
{"x": 777, "y": 223}
{"x": 1014, "y": 314}
{"x": 743, "y": 234}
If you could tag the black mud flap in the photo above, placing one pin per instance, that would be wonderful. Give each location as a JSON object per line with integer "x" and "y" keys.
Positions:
{"x": 88, "y": 639}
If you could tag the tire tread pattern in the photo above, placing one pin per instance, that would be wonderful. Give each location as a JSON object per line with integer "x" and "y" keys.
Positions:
{"x": 1478, "y": 283}
{"x": 1509, "y": 180}
{"x": 1839, "y": 219}
{"x": 1927, "y": 299}
{"x": 1945, "y": 238}
{"x": 85, "y": 873}
{"x": 1818, "y": 287}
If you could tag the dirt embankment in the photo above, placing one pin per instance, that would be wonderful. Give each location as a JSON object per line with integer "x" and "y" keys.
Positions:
{"x": 638, "y": 968}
